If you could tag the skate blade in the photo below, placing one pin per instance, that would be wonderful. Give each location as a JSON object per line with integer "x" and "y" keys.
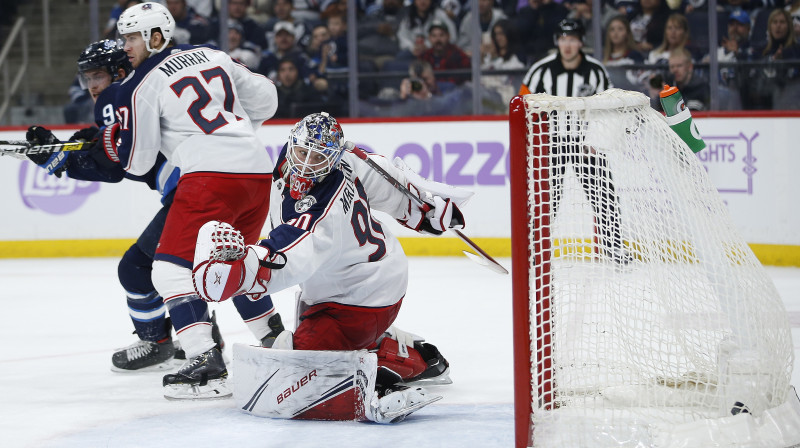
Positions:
{"x": 170, "y": 364}
{"x": 213, "y": 390}
{"x": 400, "y": 414}
{"x": 440, "y": 380}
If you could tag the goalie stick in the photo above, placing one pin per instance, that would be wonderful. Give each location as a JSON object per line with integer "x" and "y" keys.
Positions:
{"x": 483, "y": 258}
{"x": 22, "y": 148}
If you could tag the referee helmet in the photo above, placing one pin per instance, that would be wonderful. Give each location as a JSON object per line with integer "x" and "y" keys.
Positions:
{"x": 570, "y": 27}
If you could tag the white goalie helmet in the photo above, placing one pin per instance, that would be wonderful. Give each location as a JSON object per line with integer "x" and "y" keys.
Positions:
{"x": 144, "y": 18}
{"x": 315, "y": 146}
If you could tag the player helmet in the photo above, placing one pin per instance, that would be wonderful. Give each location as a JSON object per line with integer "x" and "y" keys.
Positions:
{"x": 104, "y": 54}
{"x": 315, "y": 146}
{"x": 144, "y": 18}
{"x": 570, "y": 27}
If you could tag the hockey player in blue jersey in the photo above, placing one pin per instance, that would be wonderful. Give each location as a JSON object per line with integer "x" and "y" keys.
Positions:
{"x": 100, "y": 65}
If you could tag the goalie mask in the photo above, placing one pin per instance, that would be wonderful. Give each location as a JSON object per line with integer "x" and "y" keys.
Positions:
{"x": 106, "y": 55}
{"x": 145, "y": 18}
{"x": 314, "y": 149}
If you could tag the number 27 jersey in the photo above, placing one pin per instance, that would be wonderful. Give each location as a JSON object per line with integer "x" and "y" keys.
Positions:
{"x": 199, "y": 108}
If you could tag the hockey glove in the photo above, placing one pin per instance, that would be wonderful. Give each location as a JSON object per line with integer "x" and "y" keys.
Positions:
{"x": 216, "y": 281}
{"x": 444, "y": 215}
{"x": 110, "y": 142}
{"x": 37, "y": 136}
{"x": 86, "y": 135}
{"x": 434, "y": 217}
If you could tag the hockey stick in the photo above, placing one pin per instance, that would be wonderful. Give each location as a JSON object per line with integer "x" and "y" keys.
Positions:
{"x": 484, "y": 258}
{"x": 23, "y": 148}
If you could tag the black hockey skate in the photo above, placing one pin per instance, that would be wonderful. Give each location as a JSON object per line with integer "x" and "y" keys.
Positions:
{"x": 438, "y": 371}
{"x": 202, "y": 377}
{"x": 276, "y": 327}
{"x": 216, "y": 335}
{"x": 145, "y": 356}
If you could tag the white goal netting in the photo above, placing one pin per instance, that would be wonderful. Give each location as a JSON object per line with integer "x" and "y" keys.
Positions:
{"x": 648, "y": 311}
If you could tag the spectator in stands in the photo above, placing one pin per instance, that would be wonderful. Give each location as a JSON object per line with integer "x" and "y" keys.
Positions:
{"x": 503, "y": 56}
{"x": 581, "y": 10}
{"x": 190, "y": 27}
{"x": 337, "y": 27}
{"x": 619, "y": 47}
{"x": 283, "y": 11}
{"x": 781, "y": 43}
{"x": 443, "y": 55}
{"x": 318, "y": 44}
{"x": 648, "y": 23}
{"x": 292, "y": 88}
{"x": 693, "y": 87}
{"x": 285, "y": 46}
{"x": 504, "y": 53}
{"x": 377, "y": 32}
{"x": 110, "y": 31}
{"x": 736, "y": 45}
{"x": 487, "y": 17}
{"x": 238, "y": 48}
{"x": 767, "y": 84}
{"x": 413, "y": 29}
{"x": 676, "y": 35}
{"x": 253, "y": 32}
{"x": 421, "y": 83}
{"x": 538, "y": 23}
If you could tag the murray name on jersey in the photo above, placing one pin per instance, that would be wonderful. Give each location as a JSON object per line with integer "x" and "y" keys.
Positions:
{"x": 172, "y": 66}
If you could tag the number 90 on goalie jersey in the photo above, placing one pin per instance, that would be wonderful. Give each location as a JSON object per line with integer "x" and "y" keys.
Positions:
{"x": 304, "y": 384}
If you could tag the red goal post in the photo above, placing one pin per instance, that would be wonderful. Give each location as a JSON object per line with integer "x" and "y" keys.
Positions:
{"x": 639, "y": 312}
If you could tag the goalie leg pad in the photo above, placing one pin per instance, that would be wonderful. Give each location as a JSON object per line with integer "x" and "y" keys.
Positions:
{"x": 304, "y": 384}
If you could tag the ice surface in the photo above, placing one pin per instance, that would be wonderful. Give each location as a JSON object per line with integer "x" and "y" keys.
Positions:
{"x": 62, "y": 319}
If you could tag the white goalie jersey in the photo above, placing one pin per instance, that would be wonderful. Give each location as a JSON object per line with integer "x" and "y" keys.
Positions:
{"x": 336, "y": 250}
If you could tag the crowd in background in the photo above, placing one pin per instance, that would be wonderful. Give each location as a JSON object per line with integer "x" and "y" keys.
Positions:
{"x": 302, "y": 45}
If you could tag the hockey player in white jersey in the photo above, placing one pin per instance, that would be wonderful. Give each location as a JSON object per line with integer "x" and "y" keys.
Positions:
{"x": 200, "y": 109}
{"x": 352, "y": 271}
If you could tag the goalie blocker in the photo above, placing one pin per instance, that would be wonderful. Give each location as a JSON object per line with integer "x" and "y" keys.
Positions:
{"x": 321, "y": 385}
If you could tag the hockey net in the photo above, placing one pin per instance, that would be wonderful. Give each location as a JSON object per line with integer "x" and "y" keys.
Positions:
{"x": 641, "y": 316}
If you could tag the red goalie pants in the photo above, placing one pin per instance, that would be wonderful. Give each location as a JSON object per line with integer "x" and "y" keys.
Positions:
{"x": 333, "y": 326}
{"x": 241, "y": 200}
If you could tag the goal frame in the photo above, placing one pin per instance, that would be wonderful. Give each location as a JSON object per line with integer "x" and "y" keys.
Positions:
{"x": 535, "y": 267}
{"x": 520, "y": 280}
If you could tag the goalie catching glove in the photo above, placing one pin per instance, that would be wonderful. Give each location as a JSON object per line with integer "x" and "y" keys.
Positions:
{"x": 435, "y": 216}
{"x": 225, "y": 267}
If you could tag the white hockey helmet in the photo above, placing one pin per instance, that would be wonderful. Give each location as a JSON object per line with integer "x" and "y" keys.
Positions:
{"x": 144, "y": 18}
{"x": 315, "y": 146}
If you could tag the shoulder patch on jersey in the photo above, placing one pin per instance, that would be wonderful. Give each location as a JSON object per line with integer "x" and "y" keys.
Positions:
{"x": 304, "y": 204}
{"x": 279, "y": 184}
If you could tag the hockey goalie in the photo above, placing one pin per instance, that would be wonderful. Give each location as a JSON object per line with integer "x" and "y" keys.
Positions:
{"x": 347, "y": 362}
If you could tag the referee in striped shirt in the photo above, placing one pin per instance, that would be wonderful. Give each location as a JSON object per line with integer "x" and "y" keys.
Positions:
{"x": 569, "y": 72}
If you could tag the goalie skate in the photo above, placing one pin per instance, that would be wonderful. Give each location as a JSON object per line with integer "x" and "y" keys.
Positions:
{"x": 438, "y": 371}
{"x": 399, "y": 403}
{"x": 200, "y": 378}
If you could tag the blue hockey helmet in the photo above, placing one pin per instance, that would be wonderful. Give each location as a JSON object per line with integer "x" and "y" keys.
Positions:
{"x": 104, "y": 54}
